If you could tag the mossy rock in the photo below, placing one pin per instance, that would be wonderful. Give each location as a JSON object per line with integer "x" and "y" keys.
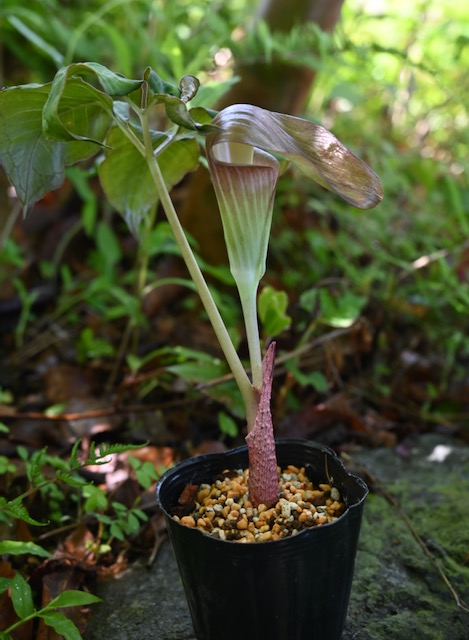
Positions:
{"x": 409, "y": 549}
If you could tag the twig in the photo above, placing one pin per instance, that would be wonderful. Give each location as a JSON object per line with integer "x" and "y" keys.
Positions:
{"x": 98, "y": 413}
{"x": 291, "y": 355}
{"x": 159, "y": 539}
{"x": 92, "y": 413}
{"x": 415, "y": 534}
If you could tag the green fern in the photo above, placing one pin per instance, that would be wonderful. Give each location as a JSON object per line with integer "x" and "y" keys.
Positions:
{"x": 98, "y": 455}
{"x": 35, "y": 475}
{"x": 15, "y": 508}
{"x": 105, "y": 450}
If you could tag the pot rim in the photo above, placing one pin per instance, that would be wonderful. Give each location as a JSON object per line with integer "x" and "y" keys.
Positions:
{"x": 200, "y": 459}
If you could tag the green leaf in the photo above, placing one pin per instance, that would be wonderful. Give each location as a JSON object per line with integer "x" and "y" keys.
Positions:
{"x": 75, "y": 110}
{"x": 145, "y": 472}
{"x": 108, "y": 245}
{"x": 16, "y": 548}
{"x": 18, "y": 510}
{"x": 126, "y": 178}
{"x": 21, "y": 597}
{"x": 112, "y": 83}
{"x": 4, "y": 584}
{"x": 34, "y": 37}
{"x": 117, "y": 531}
{"x": 309, "y": 300}
{"x": 227, "y": 425}
{"x": 341, "y": 310}
{"x": 177, "y": 112}
{"x": 72, "y": 598}
{"x": 61, "y": 624}
{"x": 34, "y": 164}
{"x": 157, "y": 85}
{"x": 83, "y": 186}
{"x": 203, "y": 117}
{"x": 175, "y": 100}
{"x": 75, "y": 463}
{"x": 6, "y": 466}
{"x": 71, "y": 480}
{"x": 35, "y": 473}
{"x": 272, "y": 306}
{"x": 141, "y": 515}
{"x": 133, "y": 524}
{"x": 96, "y": 499}
{"x": 314, "y": 378}
{"x": 198, "y": 371}
{"x": 106, "y": 450}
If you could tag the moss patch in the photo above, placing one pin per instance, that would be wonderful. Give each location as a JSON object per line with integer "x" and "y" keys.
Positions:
{"x": 398, "y": 592}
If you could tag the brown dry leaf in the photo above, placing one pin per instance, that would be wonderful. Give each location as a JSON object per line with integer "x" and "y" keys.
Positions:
{"x": 64, "y": 381}
{"x": 6, "y": 410}
{"x": 334, "y": 415}
{"x": 39, "y": 433}
{"x": 158, "y": 456}
{"x": 89, "y": 427}
{"x": 6, "y": 570}
{"x": 7, "y": 613}
{"x": 22, "y": 531}
{"x": 53, "y": 584}
{"x": 188, "y": 494}
{"x": 186, "y": 501}
{"x": 126, "y": 492}
{"x": 76, "y": 546}
{"x": 209, "y": 446}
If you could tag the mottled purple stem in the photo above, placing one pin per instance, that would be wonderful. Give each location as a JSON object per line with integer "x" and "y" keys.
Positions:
{"x": 263, "y": 477}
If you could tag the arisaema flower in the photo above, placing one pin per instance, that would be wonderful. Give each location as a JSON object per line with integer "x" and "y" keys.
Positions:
{"x": 242, "y": 158}
{"x": 243, "y": 162}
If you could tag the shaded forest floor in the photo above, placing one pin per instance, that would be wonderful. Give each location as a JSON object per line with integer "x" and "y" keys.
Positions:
{"x": 85, "y": 361}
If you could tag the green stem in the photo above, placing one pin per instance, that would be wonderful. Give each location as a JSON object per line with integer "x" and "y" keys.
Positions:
{"x": 248, "y": 297}
{"x": 20, "y": 622}
{"x": 234, "y": 362}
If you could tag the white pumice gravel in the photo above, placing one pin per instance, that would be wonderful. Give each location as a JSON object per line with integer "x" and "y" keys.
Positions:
{"x": 223, "y": 509}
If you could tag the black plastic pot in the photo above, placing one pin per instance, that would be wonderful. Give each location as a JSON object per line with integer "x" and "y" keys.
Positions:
{"x": 296, "y": 588}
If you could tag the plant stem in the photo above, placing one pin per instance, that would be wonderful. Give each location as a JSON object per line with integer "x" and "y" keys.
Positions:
{"x": 247, "y": 295}
{"x": 234, "y": 362}
{"x": 20, "y": 622}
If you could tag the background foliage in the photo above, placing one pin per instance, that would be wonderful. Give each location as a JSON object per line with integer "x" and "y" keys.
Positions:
{"x": 369, "y": 308}
{"x": 390, "y": 84}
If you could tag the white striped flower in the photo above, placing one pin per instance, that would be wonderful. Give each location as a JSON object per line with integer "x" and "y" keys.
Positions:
{"x": 242, "y": 157}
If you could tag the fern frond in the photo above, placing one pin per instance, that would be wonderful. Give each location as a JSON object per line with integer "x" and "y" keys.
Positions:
{"x": 99, "y": 455}
{"x": 74, "y": 462}
{"x": 17, "y": 509}
{"x": 35, "y": 474}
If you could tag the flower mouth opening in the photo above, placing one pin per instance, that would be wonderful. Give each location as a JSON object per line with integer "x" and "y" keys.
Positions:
{"x": 233, "y": 153}
{"x": 239, "y": 154}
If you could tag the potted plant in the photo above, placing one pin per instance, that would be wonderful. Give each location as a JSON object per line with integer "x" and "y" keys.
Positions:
{"x": 292, "y": 579}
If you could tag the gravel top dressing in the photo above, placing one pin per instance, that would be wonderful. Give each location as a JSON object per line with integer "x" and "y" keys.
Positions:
{"x": 223, "y": 509}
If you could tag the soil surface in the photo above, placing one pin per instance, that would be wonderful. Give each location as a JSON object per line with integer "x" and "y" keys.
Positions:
{"x": 412, "y": 563}
{"x": 223, "y": 510}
